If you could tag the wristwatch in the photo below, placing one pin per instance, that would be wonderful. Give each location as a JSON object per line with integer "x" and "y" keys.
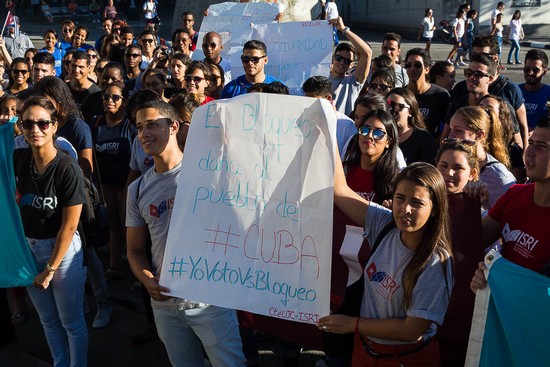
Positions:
{"x": 345, "y": 30}
{"x": 50, "y": 269}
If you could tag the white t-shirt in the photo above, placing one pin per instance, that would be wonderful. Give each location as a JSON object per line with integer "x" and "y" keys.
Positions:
{"x": 332, "y": 10}
{"x": 515, "y": 29}
{"x": 428, "y": 24}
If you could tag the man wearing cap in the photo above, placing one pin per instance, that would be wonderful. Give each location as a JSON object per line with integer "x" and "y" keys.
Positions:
{"x": 16, "y": 41}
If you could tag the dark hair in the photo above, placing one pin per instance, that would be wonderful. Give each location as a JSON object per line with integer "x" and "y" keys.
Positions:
{"x": 55, "y": 88}
{"x": 514, "y": 15}
{"x": 436, "y": 237}
{"x": 163, "y": 108}
{"x": 155, "y": 72}
{"x": 116, "y": 83}
{"x": 318, "y": 85}
{"x": 81, "y": 55}
{"x": 427, "y": 11}
{"x": 186, "y": 13}
{"x": 139, "y": 98}
{"x": 148, "y": 32}
{"x": 52, "y": 31}
{"x": 213, "y": 90}
{"x": 486, "y": 41}
{"x": 199, "y": 65}
{"x": 20, "y": 60}
{"x": 386, "y": 166}
{"x": 485, "y": 60}
{"x": 536, "y": 54}
{"x": 438, "y": 69}
{"x": 544, "y": 122}
{"x": 185, "y": 104}
{"x": 114, "y": 65}
{"x": 178, "y": 31}
{"x": 277, "y": 87}
{"x": 460, "y": 147}
{"x": 386, "y": 74}
{"x": 416, "y": 119}
{"x": 393, "y": 37}
{"x": 81, "y": 27}
{"x": 471, "y": 13}
{"x": 460, "y": 12}
{"x": 126, "y": 29}
{"x": 372, "y": 102}
{"x": 344, "y": 46}
{"x": 31, "y": 49}
{"x": 383, "y": 61}
{"x": 426, "y": 59}
{"x": 257, "y": 88}
{"x": 40, "y": 101}
{"x": 255, "y": 45}
{"x": 504, "y": 116}
{"x": 116, "y": 53}
{"x": 500, "y": 3}
{"x": 68, "y": 23}
{"x": 44, "y": 58}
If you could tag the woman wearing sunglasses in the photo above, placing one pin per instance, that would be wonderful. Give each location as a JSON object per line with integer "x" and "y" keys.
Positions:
{"x": 19, "y": 76}
{"x": 457, "y": 163}
{"x": 50, "y": 223}
{"x": 416, "y": 143}
{"x": 480, "y": 127}
{"x": 383, "y": 80}
{"x": 114, "y": 135}
{"x": 197, "y": 79}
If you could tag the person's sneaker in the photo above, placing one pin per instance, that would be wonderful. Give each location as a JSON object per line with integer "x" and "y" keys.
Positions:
{"x": 518, "y": 63}
{"x": 449, "y": 61}
{"x": 462, "y": 63}
{"x": 510, "y": 63}
{"x": 102, "y": 317}
{"x": 457, "y": 65}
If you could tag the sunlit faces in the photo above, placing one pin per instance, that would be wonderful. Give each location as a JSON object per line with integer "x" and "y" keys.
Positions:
{"x": 79, "y": 69}
{"x": 20, "y": 73}
{"x": 490, "y": 103}
{"x": 67, "y": 32}
{"x": 154, "y": 130}
{"x": 460, "y": 129}
{"x": 537, "y": 155}
{"x": 342, "y": 61}
{"x": 79, "y": 38}
{"x": 415, "y": 68}
{"x": 196, "y": 82}
{"x": 41, "y": 70}
{"x": 391, "y": 48}
{"x": 533, "y": 71}
{"x": 132, "y": 57}
{"x": 447, "y": 80}
{"x": 212, "y": 46}
{"x": 412, "y": 207}
{"x": 148, "y": 43}
{"x": 107, "y": 25}
{"x": 50, "y": 39}
{"x": 251, "y": 68}
{"x": 37, "y": 134}
{"x": 368, "y": 145}
{"x": 127, "y": 39}
{"x": 187, "y": 22}
{"x": 9, "y": 108}
{"x": 182, "y": 40}
{"x": 453, "y": 166}
{"x": 475, "y": 84}
{"x": 178, "y": 69}
{"x": 113, "y": 100}
{"x": 400, "y": 115}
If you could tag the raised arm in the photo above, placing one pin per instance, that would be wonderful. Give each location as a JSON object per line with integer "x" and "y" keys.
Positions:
{"x": 363, "y": 49}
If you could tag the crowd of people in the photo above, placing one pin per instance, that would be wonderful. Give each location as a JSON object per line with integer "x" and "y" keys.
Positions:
{"x": 432, "y": 171}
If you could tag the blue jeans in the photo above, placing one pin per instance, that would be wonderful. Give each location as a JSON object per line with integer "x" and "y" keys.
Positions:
{"x": 185, "y": 332}
{"x": 60, "y": 306}
{"x": 499, "y": 39}
{"x": 515, "y": 50}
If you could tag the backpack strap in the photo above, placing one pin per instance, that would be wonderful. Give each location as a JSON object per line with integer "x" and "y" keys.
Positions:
{"x": 387, "y": 228}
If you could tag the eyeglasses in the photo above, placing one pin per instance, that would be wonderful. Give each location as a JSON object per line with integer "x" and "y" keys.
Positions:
{"x": 114, "y": 97}
{"x": 66, "y": 30}
{"x": 528, "y": 69}
{"x": 381, "y": 87}
{"x": 346, "y": 61}
{"x": 475, "y": 74}
{"x": 254, "y": 59}
{"x": 134, "y": 56}
{"x": 468, "y": 142}
{"x": 148, "y": 40}
{"x": 42, "y": 125}
{"x": 196, "y": 79}
{"x": 394, "y": 106}
{"x": 211, "y": 45}
{"x": 20, "y": 71}
{"x": 416, "y": 64}
{"x": 377, "y": 134}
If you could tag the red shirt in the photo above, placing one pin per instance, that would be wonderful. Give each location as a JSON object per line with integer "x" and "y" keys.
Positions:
{"x": 361, "y": 181}
{"x": 524, "y": 227}
{"x": 206, "y": 100}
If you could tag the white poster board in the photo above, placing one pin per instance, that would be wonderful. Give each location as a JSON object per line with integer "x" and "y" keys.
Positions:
{"x": 252, "y": 222}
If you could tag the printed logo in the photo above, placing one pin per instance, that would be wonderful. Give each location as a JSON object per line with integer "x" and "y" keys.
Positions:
{"x": 107, "y": 147}
{"x": 521, "y": 238}
{"x": 387, "y": 285}
{"x": 38, "y": 202}
{"x": 163, "y": 207}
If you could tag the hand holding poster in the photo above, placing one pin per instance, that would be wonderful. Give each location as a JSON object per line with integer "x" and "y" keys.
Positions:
{"x": 251, "y": 227}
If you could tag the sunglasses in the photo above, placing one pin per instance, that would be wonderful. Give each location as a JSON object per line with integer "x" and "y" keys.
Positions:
{"x": 394, "y": 106}
{"x": 416, "y": 64}
{"x": 528, "y": 69}
{"x": 134, "y": 56}
{"x": 42, "y": 125}
{"x": 148, "y": 40}
{"x": 346, "y": 61}
{"x": 211, "y": 45}
{"x": 20, "y": 71}
{"x": 93, "y": 56}
{"x": 114, "y": 97}
{"x": 196, "y": 79}
{"x": 254, "y": 59}
{"x": 67, "y": 30}
{"x": 381, "y": 87}
{"x": 468, "y": 142}
{"x": 377, "y": 134}
{"x": 469, "y": 73}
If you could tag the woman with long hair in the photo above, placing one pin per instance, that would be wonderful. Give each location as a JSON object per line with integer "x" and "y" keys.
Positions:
{"x": 217, "y": 81}
{"x": 427, "y": 28}
{"x": 197, "y": 79}
{"x": 416, "y": 143}
{"x": 20, "y": 74}
{"x": 497, "y": 31}
{"x": 443, "y": 74}
{"x": 50, "y": 40}
{"x": 408, "y": 278}
{"x": 456, "y": 39}
{"x": 514, "y": 35}
{"x": 481, "y": 128}
{"x": 51, "y": 231}
{"x": 178, "y": 66}
{"x": 155, "y": 80}
{"x": 114, "y": 135}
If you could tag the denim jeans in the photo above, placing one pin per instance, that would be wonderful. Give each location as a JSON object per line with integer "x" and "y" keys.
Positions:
{"x": 96, "y": 277}
{"x": 515, "y": 50}
{"x": 60, "y": 306}
{"x": 185, "y": 332}
{"x": 499, "y": 39}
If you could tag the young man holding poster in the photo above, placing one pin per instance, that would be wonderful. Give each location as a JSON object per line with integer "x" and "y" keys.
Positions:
{"x": 184, "y": 326}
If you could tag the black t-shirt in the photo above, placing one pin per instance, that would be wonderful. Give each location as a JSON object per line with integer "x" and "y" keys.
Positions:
{"x": 77, "y": 132}
{"x": 455, "y": 105}
{"x": 502, "y": 87}
{"x": 419, "y": 147}
{"x": 92, "y": 107}
{"x": 433, "y": 106}
{"x": 40, "y": 200}
{"x": 79, "y": 96}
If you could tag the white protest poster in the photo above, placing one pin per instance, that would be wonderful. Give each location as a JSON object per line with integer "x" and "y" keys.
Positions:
{"x": 252, "y": 222}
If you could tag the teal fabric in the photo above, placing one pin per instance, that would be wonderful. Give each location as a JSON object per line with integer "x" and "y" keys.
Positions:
{"x": 17, "y": 266}
{"x": 518, "y": 319}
